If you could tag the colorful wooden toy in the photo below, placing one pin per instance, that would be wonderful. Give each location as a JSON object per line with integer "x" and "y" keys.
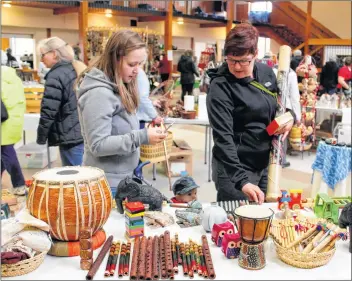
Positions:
{"x": 219, "y": 230}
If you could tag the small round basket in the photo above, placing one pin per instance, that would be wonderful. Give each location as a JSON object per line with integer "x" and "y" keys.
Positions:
{"x": 22, "y": 267}
{"x": 301, "y": 260}
{"x": 150, "y": 152}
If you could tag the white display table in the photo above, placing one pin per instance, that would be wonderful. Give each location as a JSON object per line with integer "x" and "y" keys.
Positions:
{"x": 59, "y": 268}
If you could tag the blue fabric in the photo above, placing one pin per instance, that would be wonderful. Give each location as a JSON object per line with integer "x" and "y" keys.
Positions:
{"x": 72, "y": 156}
{"x": 334, "y": 163}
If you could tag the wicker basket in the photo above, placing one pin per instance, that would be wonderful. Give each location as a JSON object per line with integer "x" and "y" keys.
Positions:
{"x": 157, "y": 150}
{"x": 22, "y": 267}
{"x": 303, "y": 260}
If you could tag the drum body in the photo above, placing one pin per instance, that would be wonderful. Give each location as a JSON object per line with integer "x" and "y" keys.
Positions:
{"x": 253, "y": 223}
{"x": 69, "y": 198}
{"x": 252, "y": 257}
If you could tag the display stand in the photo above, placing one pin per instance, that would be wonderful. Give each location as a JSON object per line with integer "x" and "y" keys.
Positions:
{"x": 303, "y": 137}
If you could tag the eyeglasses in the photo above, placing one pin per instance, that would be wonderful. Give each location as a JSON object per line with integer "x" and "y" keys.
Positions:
{"x": 43, "y": 55}
{"x": 241, "y": 62}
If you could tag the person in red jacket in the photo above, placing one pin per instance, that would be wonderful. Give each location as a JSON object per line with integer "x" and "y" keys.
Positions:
{"x": 345, "y": 77}
{"x": 164, "y": 69}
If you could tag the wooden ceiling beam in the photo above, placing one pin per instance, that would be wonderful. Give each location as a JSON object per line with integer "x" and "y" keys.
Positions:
{"x": 330, "y": 42}
{"x": 151, "y": 18}
{"x": 66, "y": 10}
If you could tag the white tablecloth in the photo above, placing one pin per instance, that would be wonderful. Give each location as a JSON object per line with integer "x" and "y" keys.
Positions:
{"x": 343, "y": 188}
{"x": 59, "y": 268}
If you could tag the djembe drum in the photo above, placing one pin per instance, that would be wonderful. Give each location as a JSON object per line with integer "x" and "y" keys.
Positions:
{"x": 253, "y": 223}
{"x": 70, "y": 198}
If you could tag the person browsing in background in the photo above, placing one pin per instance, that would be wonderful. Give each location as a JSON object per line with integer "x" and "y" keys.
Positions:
{"x": 345, "y": 77}
{"x": 14, "y": 104}
{"x": 241, "y": 103}
{"x": 107, "y": 102}
{"x": 185, "y": 190}
{"x": 328, "y": 76}
{"x": 59, "y": 124}
{"x": 146, "y": 111}
{"x": 292, "y": 103}
{"x": 164, "y": 68}
{"x": 188, "y": 69}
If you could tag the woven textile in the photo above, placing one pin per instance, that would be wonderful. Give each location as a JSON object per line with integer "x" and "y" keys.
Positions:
{"x": 334, "y": 162}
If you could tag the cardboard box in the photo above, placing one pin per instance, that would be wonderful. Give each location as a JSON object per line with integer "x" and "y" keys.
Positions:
{"x": 180, "y": 161}
{"x": 279, "y": 122}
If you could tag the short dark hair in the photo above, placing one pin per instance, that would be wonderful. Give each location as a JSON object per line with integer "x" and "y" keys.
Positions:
{"x": 242, "y": 40}
{"x": 348, "y": 61}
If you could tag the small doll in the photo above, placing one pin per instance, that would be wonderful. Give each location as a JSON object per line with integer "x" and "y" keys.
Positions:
{"x": 219, "y": 230}
{"x": 231, "y": 245}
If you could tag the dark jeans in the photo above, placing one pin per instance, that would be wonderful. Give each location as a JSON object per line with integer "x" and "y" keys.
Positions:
{"x": 72, "y": 156}
{"x": 164, "y": 76}
{"x": 187, "y": 89}
{"x": 9, "y": 162}
{"x": 142, "y": 124}
{"x": 227, "y": 189}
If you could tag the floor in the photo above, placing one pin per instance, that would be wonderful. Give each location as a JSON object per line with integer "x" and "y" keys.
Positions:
{"x": 298, "y": 175}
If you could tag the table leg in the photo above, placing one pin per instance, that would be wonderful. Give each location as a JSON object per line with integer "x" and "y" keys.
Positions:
{"x": 206, "y": 144}
{"x": 154, "y": 171}
{"x": 210, "y": 155}
{"x": 24, "y": 137}
{"x": 333, "y": 123}
{"x": 49, "y": 161}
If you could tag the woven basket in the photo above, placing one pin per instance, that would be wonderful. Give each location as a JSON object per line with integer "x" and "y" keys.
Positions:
{"x": 303, "y": 260}
{"x": 157, "y": 150}
{"x": 22, "y": 267}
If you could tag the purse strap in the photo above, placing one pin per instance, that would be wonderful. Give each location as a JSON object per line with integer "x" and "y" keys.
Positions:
{"x": 261, "y": 87}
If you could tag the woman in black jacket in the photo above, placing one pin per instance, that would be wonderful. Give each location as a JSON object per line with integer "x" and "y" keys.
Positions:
{"x": 241, "y": 103}
{"x": 188, "y": 69}
{"x": 59, "y": 124}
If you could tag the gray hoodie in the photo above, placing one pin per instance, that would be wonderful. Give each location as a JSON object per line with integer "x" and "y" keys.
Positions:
{"x": 111, "y": 135}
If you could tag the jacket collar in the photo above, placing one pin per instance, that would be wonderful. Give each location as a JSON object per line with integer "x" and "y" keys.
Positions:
{"x": 57, "y": 65}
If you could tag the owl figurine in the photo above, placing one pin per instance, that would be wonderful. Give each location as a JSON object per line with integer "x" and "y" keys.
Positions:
{"x": 219, "y": 230}
{"x": 231, "y": 245}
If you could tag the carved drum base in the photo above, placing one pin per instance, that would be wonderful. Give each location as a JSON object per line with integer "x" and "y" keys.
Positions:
{"x": 252, "y": 257}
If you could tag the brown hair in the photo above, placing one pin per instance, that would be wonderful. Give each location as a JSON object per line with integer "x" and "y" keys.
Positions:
{"x": 120, "y": 44}
{"x": 242, "y": 40}
{"x": 348, "y": 61}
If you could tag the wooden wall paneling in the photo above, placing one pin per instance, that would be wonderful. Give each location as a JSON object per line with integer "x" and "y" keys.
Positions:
{"x": 83, "y": 25}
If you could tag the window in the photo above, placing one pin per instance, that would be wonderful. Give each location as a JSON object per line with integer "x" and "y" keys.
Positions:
{"x": 263, "y": 46}
{"x": 261, "y": 7}
{"x": 21, "y": 46}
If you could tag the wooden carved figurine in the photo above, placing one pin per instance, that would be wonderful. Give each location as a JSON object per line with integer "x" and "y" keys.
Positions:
{"x": 219, "y": 230}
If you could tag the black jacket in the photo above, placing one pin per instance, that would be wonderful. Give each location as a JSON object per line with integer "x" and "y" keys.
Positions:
{"x": 188, "y": 69}
{"x": 4, "y": 114}
{"x": 295, "y": 61}
{"x": 239, "y": 114}
{"x": 329, "y": 74}
{"x": 59, "y": 122}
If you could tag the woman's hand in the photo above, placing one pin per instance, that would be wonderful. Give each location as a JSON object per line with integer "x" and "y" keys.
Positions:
{"x": 254, "y": 193}
{"x": 285, "y": 130}
{"x": 158, "y": 120}
{"x": 156, "y": 135}
{"x": 157, "y": 103}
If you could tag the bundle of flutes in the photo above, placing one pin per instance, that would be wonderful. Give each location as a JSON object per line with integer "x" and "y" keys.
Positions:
{"x": 318, "y": 239}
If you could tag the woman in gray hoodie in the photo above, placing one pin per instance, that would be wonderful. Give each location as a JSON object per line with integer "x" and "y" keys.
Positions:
{"x": 107, "y": 103}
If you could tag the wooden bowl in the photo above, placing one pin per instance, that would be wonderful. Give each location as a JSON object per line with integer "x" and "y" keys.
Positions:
{"x": 189, "y": 114}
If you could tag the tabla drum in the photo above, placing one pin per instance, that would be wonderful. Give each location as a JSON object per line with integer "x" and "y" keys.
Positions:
{"x": 69, "y": 198}
{"x": 253, "y": 223}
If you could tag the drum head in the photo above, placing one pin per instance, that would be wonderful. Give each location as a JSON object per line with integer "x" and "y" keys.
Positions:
{"x": 254, "y": 212}
{"x": 75, "y": 173}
